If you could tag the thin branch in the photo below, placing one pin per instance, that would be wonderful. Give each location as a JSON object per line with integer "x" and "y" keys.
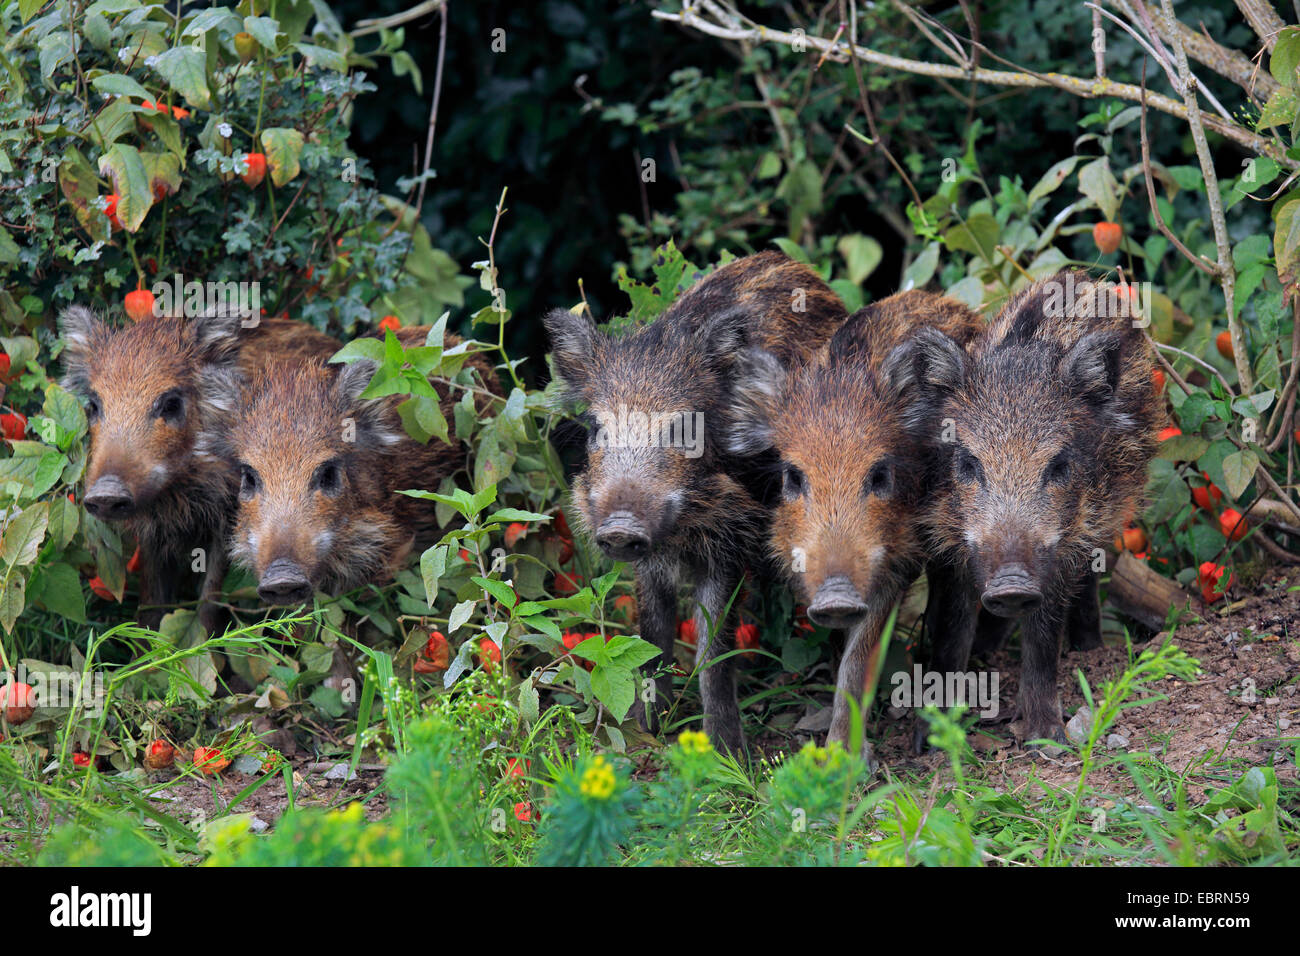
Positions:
{"x": 1227, "y": 275}
{"x": 1263, "y": 19}
{"x": 1187, "y": 254}
{"x": 1088, "y": 88}
{"x": 365, "y": 27}
{"x": 433, "y": 110}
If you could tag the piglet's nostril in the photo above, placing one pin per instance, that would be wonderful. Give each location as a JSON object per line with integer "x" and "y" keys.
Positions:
{"x": 109, "y": 499}
{"x": 284, "y": 582}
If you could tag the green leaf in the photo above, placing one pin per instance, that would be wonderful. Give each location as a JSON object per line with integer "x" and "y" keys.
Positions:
{"x": 1280, "y": 110}
{"x": 922, "y": 268}
{"x": 528, "y": 702}
{"x": 12, "y": 601}
{"x": 322, "y": 56}
{"x": 57, "y": 588}
{"x": 1097, "y": 182}
{"x": 503, "y": 592}
{"x": 1052, "y": 179}
{"x": 459, "y": 615}
{"x": 615, "y": 687}
{"x": 185, "y": 70}
{"x": 23, "y": 534}
{"x": 433, "y": 563}
{"x": 862, "y": 254}
{"x": 283, "y": 149}
{"x": 1286, "y": 235}
{"x": 1239, "y": 472}
{"x": 63, "y": 522}
{"x": 123, "y": 165}
{"x": 978, "y": 235}
{"x": 119, "y": 84}
{"x": 372, "y": 349}
{"x": 514, "y": 514}
{"x": 1182, "y": 448}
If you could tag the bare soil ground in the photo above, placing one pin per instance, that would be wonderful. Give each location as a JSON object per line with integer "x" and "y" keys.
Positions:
{"x": 1242, "y": 709}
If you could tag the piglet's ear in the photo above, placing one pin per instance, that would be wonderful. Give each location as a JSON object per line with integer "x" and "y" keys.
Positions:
{"x": 722, "y": 335}
{"x": 918, "y": 374}
{"x": 217, "y": 333}
{"x": 369, "y": 417}
{"x": 1091, "y": 369}
{"x": 83, "y": 333}
{"x": 575, "y": 342}
{"x": 758, "y": 383}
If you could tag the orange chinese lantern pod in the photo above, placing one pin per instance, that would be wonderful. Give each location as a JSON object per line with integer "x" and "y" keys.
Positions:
{"x": 686, "y": 632}
{"x": 139, "y": 304}
{"x": 1107, "y": 236}
{"x": 1232, "y": 524}
{"x": 1223, "y": 342}
{"x": 1168, "y": 432}
{"x": 390, "y": 322}
{"x": 489, "y": 654}
{"x": 254, "y": 169}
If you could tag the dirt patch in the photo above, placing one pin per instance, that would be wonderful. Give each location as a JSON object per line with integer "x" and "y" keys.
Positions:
{"x": 315, "y": 784}
{"x": 1242, "y": 709}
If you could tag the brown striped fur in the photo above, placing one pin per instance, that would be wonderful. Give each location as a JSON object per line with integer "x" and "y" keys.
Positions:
{"x": 853, "y": 431}
{"x": 673, "y": 515}
{"x": 151, "y": 389}
{"x": 320, "y": 471}
{"x": 1053, "y": 416}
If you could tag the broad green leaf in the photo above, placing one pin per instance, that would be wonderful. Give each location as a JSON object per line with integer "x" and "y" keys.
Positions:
{"x": 283, "y": 148}
{"x": 322, "y": 56}
{"x": 24, "y": 533}
{"x": 12, "y": 601}
{"x": 122, "y": 164}
{"x": 459, "y": 615}
{"x": 119, "y": 84}
{"x": 57, "y": 588}
{"x": 1097, "y": 182}
{"x": 1239, "y": 472}
{"x": 1052, "y": 179}
{"x": 264, "y": 30}
{"x": 185, "y": 70}
{"x": 862, "y": 255}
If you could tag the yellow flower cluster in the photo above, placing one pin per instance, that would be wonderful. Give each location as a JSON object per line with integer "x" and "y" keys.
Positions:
{"x": 598, "y": 779}
{"x": 694, "y": 742}
{"x": 830, "y": 756}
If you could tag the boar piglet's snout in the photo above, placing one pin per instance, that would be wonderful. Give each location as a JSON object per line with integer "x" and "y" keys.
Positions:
{"x": 1011, "y": 591}
{"x": 837, "y": 603}
{"x": 284, "y": 582}
{"x": 109, "y": 499}
{"x": 623, "y": 537}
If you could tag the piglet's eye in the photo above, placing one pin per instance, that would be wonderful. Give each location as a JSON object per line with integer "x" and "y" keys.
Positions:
{"x": 1058, "y": 472}
{"x": 880, "y": 480}
{"x": 248, "y": 482}
{"x": 328, "y": 479}
{"x": 170, "y": 407}
{"x": 968, "y": 467}
{"x": 793, "y": 483}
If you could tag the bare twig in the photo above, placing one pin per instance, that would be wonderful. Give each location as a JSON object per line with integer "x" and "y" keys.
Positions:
{"x": 1090, "y": 87}
{"x": 365, "y": 27}
{"x": 1193, "y": 258}
{"x": 1227, "y": 275}
{"x": 433, "y": 110}
{"x": 1098, "y": 49}
{"x": 1280, "y": 428}
{"x": 1263, "y": 19}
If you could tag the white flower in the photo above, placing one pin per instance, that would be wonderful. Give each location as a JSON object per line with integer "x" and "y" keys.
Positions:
{"x": 224, "y": 130}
